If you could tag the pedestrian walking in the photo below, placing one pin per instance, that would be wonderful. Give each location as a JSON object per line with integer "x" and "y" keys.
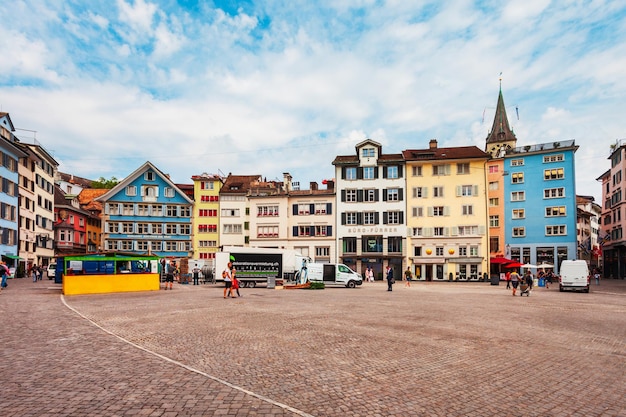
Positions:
{"x": 408, "y": 276}
{"x": 596, "y": 276}
{"x": 549, "y": 277}
{"x": 389, "y": 276}
{"x": 514, "y": 280}
{"x": 370, "y": 274}
{"x": 228, "y": 281}
{"x": 33, "y": 273}
{"x": 196, "y": 274}
{"x": 233, "y": 276}
{"x": 507, "y": 278}
{"x": 39, "y": 273}
{"x": 4, "y": 270}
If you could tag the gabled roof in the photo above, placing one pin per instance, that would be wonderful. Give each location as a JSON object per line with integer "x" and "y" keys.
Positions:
{"x": 500, "y": 130}
{"x": 9, "y": 122}
{"x": 130, "y": 178}
{"x": 239, "y": 184}
{"x": 73, "y": 179}
{"x": 87, "y": 198}
{"x": 430, "y": 154}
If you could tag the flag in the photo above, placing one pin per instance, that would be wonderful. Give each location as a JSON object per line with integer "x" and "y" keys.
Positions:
{"x": 517, "y": 111}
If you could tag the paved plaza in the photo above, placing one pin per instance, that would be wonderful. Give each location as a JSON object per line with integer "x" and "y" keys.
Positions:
{"x": 435, "y": 349}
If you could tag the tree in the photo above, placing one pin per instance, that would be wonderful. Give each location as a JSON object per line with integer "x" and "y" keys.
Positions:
{"x": 104, "y": 183}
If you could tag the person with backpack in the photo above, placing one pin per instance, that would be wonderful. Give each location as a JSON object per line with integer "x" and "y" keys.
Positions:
{"x": 4, "y": 270}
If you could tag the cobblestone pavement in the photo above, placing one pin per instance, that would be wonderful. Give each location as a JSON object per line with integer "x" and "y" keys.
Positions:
{"x": 435, "y": 349}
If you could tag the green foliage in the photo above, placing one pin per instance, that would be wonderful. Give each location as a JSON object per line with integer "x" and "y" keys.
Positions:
{"x": 316, "y": 286}
{"x": 104, "y": 183}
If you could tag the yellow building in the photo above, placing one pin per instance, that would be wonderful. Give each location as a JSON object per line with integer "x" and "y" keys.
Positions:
{"x": 447, "y": 213}
{"x": 206, "y": 216}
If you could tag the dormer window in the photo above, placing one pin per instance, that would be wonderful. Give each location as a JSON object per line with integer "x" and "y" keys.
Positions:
{"x": 148, "y": 176}
{"x": 367, "y": 152}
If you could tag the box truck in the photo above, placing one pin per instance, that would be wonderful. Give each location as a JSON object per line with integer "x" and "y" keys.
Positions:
{"x": 574, "y": 275}
{"x": 260, "y": 265}
{"x": 333, "y": 274}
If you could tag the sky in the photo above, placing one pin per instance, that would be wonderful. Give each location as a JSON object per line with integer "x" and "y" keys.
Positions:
{"x": 272, "y": 87}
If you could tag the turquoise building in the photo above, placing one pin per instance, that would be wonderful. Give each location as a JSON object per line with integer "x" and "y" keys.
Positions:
{"x": 147, "y": 213}
{"x": 540, "y": 203}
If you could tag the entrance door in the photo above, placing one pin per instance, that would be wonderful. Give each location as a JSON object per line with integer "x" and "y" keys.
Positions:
{"x": 429, "y": 272}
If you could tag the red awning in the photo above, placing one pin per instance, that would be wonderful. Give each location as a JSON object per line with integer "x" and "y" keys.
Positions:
{"x": 500, "y": 260}
{"x": 513, "y": 264}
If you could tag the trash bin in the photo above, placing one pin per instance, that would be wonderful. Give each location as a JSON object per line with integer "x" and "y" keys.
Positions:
{"x": 495, "y": 279}
{"x": 542, "y": 282}
{"x": 271, "y": 282}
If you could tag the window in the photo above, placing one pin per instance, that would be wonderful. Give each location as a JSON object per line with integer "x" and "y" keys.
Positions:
{"x": 225, "y": 212}
{"x": 553, "y": 174}
{"x": 143, "y": 228}
{"x": 370, "y": 195}
{"x": 468, "y": 210}
{"x": 437, "y": 191}
{"x": 439, "y": 251}
{"x": 473, "y": 250}
{"x": 322, "y": 251}
{"x": 494, "y": 221}
{"x": 372, "y": 244}
{"x": 168, "y": 192}
{"x": 368, "y": 173}
{"x": 267, "y": 211}
{"x": 462, "y": 251}
{"x": 349, "y": 245}
{"x": 185, "y": 211}
{"x": 417, "y": 171}
{"x": 322, "y": 208}
{"x": 322, "y": 231}
{"x": 185, "y": 229}
{"x": 131, "y": 190}
{"x": 463, "y": 168}
{"x": 494, "y": 185}
{"x": 517, "y": 177}
{"x": 556, "y": 211}
{"x": 519, "y": 213}
{"x": 171, "y": 229}
{"x": 494, "y": 202}
{"x": 468, "y": 230}
{"x": 367, "y": 152}
{"x": 554, "y": 192}
{"x": 143, "y": 209}
{"x": 369, "y": 217}
{"x": 127, "y": 210}
{"x": 553, "y": 158}
{"x": 392, "y": 172}
{"x": 559, "y": 230}
{"x": 157, "y": 210}
{"x": 493, "y": 169}
{"x": 304, "y": 209}
{"x": 232, "y": 229}
{"x": 518, "y": 196}
{"x": 494, "y": 244}
{"x": 394, "y": 217}
{"x": 148, "y": 176}
{"x": 351, "y": 218}
{"x": 417, "y": 211}
{"x": 172, "y": 211}
{"x": 394, "y": 244}
{"x": 418, "y": 231}
{"x": 439, "y": 231}
{"x": 466, "y": 190}
{"x": 519, "y": 231}
{"x": 351, "y": 173}
{"x": 441, "y": 170}
{"x": 113, "y": 227}
{"x": 517, "y": 162}
{"x": 302, "y": 231}
{"x": 157, "y": 228}
{"x": 393, "y": 194}
{"x": 420, "y": 192}
{"x": 351, "y": 196}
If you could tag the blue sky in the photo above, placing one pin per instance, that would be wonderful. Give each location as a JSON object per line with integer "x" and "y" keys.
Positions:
{"x": 284, "y": 86}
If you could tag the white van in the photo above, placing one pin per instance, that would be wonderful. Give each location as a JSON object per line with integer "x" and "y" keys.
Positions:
{"x": 574, "y": 275}
{"x": 333, "y": 274}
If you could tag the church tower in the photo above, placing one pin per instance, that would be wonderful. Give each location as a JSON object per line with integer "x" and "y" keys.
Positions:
{"x": 501, "y": 138}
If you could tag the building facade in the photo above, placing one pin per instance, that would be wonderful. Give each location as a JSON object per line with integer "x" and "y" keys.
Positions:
{"x": 206, "y": 215}
{"x": 447, "y": 214}
{"x": 371, "y": 204}
{"x": 147, "y": 213}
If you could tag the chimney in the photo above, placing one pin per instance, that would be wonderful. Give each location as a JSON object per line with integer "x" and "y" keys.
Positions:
{"x": 432, "y": 144}
{"x": 330, "y": 185}
{"x": 313, "y": 186}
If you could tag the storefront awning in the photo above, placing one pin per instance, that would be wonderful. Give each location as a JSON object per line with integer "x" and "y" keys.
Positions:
{"x": 11, "y": 257}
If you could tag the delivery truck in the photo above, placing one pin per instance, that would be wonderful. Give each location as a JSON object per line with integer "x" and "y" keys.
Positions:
{"x": 260, "y": 265}
{"x": 333, "y": 274}
{"x": 574, "y": 275}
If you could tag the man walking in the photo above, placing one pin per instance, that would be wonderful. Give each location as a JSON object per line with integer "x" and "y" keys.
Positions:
{"x": 389, "y": 276}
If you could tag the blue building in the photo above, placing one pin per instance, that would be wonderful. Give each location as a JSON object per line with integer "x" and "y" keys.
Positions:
{"x": 10, "y": 152}
{"x": 147, "y": 213}
{"x": 540, "y": 203}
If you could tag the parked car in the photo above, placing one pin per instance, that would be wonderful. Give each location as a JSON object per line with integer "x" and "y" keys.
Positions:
{"x": 51, "y": 270}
